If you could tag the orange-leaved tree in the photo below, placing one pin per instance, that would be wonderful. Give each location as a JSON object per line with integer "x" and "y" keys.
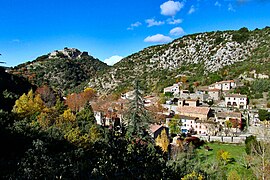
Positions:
{"x": 77, "y": 101}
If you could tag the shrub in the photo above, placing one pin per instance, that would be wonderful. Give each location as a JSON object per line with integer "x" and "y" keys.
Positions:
{"x": 250, "y": 140}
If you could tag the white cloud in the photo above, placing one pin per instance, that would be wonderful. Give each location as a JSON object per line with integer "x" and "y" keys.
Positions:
{"x": 178, "y": 31}
{"x": 191, "y": 10}
{"x": 136, "y": 24}
{"x": 158, "y": 38}
{"x": 16, "y": 40}
{"x": 113, "y": 59}
{"x": 217, "y": 4}
{"x": 153, "y": 22}
{"x": 230, "y": 8}
{"x": 170, "y": 8}
{"x": 174, "y": 21}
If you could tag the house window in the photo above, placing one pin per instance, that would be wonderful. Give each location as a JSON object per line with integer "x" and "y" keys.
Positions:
{"x": 233, "y": 98}
{"x": 234, "y": 104}
{"x": 229, "y": 98}
{"x": 229, "y": 104}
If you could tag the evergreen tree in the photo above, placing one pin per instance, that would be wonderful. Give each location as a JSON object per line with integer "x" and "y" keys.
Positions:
{"x": 137, "y": 117}
{"x": 85, "y": 118}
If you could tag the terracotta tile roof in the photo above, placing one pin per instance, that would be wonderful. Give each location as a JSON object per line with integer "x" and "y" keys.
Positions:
{"x": 236, "y": 95}
{"x": 194, "y": 110}
{"x": 187, "y": 117}
{"x": 154, "y": 127}
{"x": 214, "y": 90}
{"x": 228, "y": 81}
{"x": 202, "y": 88}
{"x": 229, "y": 114}
{"x": 191, "y": 99}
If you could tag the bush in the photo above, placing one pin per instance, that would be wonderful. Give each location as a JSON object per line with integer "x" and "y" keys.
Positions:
{"x": 250, "y": 140}
{"x": 241, "y": 35}
{"x": 168, "y": 94}
{"x": 264, "y": 115}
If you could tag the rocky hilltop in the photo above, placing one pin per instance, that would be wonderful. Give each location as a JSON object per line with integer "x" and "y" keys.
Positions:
{"x": 68, "y": 53}
{"x": 66, "y": 69}
{"x": 192, "y": 55}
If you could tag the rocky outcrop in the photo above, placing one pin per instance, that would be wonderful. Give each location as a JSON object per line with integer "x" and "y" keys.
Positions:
{"x": 69, "y": 53}
{"x": 211, "y": 51}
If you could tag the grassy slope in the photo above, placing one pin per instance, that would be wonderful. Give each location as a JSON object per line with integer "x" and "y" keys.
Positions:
{"x": 237, "y": 153}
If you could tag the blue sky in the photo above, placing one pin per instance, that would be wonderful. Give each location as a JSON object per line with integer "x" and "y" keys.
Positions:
{"x": 118, "y": 28}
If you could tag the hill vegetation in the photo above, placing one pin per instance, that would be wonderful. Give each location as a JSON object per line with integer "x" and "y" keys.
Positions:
{"x": 203, "y": 58}
{"x": 64, "y": 70}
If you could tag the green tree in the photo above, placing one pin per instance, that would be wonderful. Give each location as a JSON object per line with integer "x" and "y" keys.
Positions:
{"x": 233, "y": 175}
{"x": 85, "y": 118}
{"x": 175, "y": 125}
{"x": 264, "y": 115}
{"x": 137, "y": 117}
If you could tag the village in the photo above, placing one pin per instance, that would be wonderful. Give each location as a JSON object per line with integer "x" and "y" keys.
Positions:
{"x": 211, "y": 113}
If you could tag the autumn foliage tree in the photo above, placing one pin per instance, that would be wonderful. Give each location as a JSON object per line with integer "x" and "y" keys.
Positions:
{"x": 163, "y": 141}
{"x": 77, "y": 101}
{"x": 47, "y": 95}
{"x": 28, "y": 105}
{"x": 156, "y": 111}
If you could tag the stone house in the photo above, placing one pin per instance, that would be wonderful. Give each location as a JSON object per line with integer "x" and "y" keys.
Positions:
{"x": 202, "y": 113}
{"x": 234, "y": 117}
{"x": 188, "y": 102}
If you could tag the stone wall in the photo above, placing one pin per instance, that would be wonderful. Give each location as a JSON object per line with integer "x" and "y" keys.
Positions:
{"x": 225, "y": 139}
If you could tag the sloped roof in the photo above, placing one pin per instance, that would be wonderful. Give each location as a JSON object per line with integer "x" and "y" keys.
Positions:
{"x": 155, "y": 127}
{"x": 194, "y": 110}
{"x": 229, "y": 114}
{"x": 236, "y": 95}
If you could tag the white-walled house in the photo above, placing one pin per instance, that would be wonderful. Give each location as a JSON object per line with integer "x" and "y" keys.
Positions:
{"x": 193, "y": 124}
{"x": 236, "y": 100}
{"x": 223, "y": 85}
{"x": 175, "y": 89}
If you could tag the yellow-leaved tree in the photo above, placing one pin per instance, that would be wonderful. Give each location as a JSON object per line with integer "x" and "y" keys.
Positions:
{"x": 193, "y": 176}
{"x": 67, "y": 116}
{"x": 163, "y": 141}
{"x": 83, "y": 139}
{"x": 28, "y": 105}
{"x": 223, "y": 156}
